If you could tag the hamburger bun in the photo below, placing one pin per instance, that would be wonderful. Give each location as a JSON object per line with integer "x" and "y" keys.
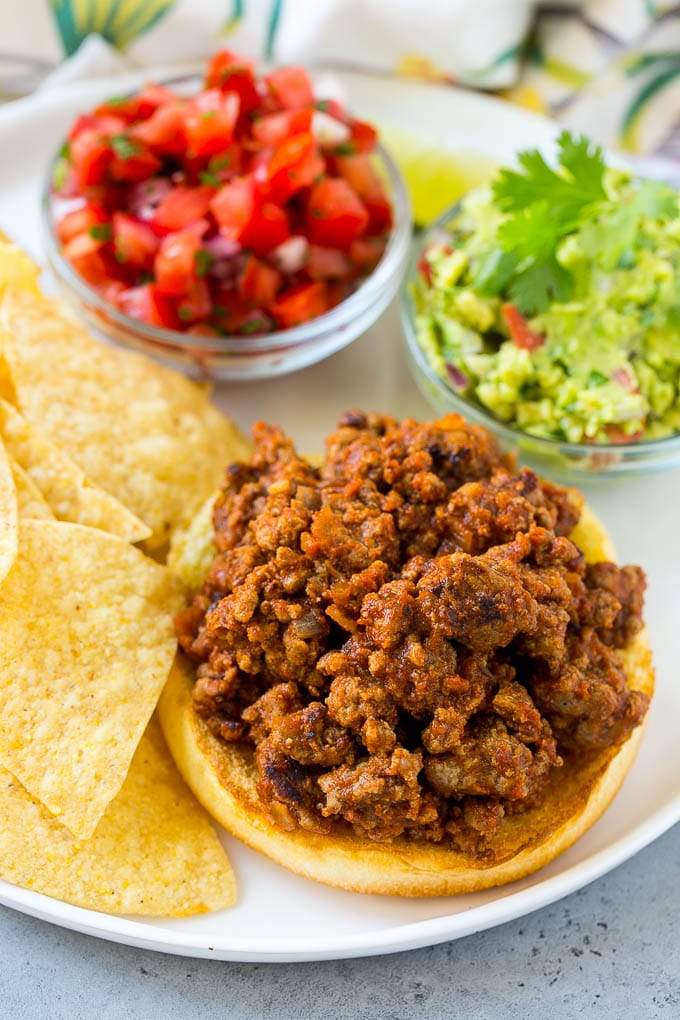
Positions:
{"x": 223, "y": 778}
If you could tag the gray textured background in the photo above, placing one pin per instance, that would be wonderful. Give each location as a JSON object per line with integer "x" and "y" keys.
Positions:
{"x": 610, "y": 950}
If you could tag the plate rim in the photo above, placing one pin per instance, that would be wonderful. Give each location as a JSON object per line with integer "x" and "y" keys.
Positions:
{"x": 395, "y": 938}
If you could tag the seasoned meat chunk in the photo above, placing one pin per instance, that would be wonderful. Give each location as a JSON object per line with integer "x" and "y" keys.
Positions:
{"x": 270, "y": 708}
{"x": 311, "y": 737}
{"x": 588, "y": 702}
{"x": 379, "y": 797}
{"x": 627, "y": 585}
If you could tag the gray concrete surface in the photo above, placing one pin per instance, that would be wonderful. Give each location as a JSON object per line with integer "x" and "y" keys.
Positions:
{"x": 611, "y": 950}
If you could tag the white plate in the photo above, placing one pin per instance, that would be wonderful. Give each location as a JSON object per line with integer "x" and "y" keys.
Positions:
{"x": 280, "y": 917}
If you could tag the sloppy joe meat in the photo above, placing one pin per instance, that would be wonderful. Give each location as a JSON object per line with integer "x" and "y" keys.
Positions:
{"x": 406, "y": 636}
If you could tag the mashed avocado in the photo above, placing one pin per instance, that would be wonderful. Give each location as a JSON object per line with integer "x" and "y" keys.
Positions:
{"x": 560, "y": 314}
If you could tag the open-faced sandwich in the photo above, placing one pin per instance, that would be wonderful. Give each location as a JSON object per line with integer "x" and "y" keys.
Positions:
{"x": 413, "y": 669}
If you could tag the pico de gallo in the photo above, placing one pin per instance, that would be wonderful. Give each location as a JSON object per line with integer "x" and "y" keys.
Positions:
{"x": 246, "y": 208}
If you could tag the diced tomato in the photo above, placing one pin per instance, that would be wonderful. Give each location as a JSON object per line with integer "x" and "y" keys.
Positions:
{"x": 135, "y": 243}
{"x": 209, "y": 122}
{"x": 333, "y": 108}
{"x": 148, "y": 304}
{"x": 175, "y": 263}
{"x": 90, "y": 154}
{"x": 183, "y": 206}
{"x": 233, "y": 207}
{"x": 300, "y": 304}
{"x": 84, "y": 254}
{"x": 103, "y": 126}
{"x": 521, "y": 333}
{"x": 139, "y": 106}
{"x": 111, "y": 290}
{"x": 132, "y": 163}
{"x": 259, "y": 283}
{"x": 328, "y": 263}
{"x": 617, "y": 437}
{"x": 275, "y": 127}
{"x": 202, "y": 329}
{"x": 425, "y": 269}
{"x": 296, "y": 164}
{"x": 336, "y": 216}
{"x": 360, "y": 173}
{"x": 229, "y": 310}
{"x": 267, "y": 229}
{"x": 79, "y": 221}
{"x": 290, "y": 87}
{"x": 195, "y": 303}
{"x": 364, "y": 136}
{"x": 365, "y": 253}
{"x": 231, "y": 73}
{"x": 164, "y": 130}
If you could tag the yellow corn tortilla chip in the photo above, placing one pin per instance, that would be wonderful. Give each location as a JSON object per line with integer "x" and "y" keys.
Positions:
{"x": 16, "y": 268}
{"x": 9, "y": 516}
{"x": 144, "y": 433}
{"x": 69, "y": 493}
{"x": 154, "y": 851}
{"x": 87, "y": 643}
{"x": 30, "y": 501}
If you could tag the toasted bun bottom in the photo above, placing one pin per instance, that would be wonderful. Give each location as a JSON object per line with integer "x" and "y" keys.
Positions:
{"x": 223, "y": 778}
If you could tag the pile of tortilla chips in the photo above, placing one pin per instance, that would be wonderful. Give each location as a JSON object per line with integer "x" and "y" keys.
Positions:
{"x": 100, "y": 449}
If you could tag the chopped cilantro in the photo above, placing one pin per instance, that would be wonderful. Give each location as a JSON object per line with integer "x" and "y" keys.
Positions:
{"x": 100, "y": 231}
{"x": 596, "y": 379}
{"x": 208, "y": 114}
{"x": 116, "y": 101}
{"x": 203, "y": 261}
{"x": 59, "y": 174}
{"x": 255, "y": 326}
{"x": 344, "y": 149}
{"x": 184, "y": 313}
{"x": 124, "y": 146}
{"x": 205, "y": 177}
{"x": 613, "y": 234}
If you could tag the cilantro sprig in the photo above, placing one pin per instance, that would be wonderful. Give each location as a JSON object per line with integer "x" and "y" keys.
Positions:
{"x": 543, "y": 205}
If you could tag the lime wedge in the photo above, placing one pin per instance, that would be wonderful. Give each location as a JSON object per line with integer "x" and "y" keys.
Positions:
{"x": 436, "y": 177}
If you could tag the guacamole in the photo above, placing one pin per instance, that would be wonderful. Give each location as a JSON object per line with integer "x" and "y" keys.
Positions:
{"x": 559, "y": 313}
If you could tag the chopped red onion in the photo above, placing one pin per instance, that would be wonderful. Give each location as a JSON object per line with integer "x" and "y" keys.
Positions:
{"x": 291, "y": 255}
{"x": 146, "y": 196}
{"x": 458, "y": 378}
{"x": 328, "y": 131}
{"x": 256, "y": 323}
{"x": 222, "y": 247}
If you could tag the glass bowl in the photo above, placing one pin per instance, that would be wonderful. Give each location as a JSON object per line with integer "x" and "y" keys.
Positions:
{"x": 570, "y": 461}
{"x": 250, "y": 357}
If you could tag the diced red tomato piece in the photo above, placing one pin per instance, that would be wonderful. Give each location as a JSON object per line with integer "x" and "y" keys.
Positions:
{"x": 296, "y": 164}
{"x": 175, "y": 263}
{"x": 364, "y": 136}
{"x": 291, "y": 87}
{"x": 231, "y": 73}
{"x": 209, "y": 122}
{"x": 617, "y": 437}
{"x": 164, "y": 130}
{"x": 111, "y": 290}
{"x": 135, "y": 243}
{"x": 183, "y": 206}
{"x": 83, "y": 252}
{"x": 328, "y": 263}
{"x": 360, "y": 173}
{"x": 229, "y": 310}
{"x": 233, "y": 207}
{"x": 139, "y": 106}
{"x": 267, "y": 229}
{"x": 103, "y": 126}
{"x": 90, "y": 155}
{"x": 521, "y": 333}
{"x": 336, "y": 216}
{"x": 365, "y": 253}
{"x": 300, "y": 304}
{"x": 275, "y": 127}
{"x": 195, "y": 303}
{"x": 333, "y": 108}
{"x": 202, "y": 329}
{"x": 148, "y": 304}
{"x": 79, "y": 221}
{"x": 259, "y": 283}
{"x": 129, "y": 166}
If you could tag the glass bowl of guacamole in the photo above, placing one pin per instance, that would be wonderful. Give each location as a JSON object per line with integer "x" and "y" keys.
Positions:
{"x": 547, "y": 307}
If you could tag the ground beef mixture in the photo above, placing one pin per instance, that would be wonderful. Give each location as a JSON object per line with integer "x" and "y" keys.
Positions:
{"x": 405, "y": 635}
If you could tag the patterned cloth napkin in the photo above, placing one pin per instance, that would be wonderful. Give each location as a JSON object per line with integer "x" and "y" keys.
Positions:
{"x": 610, "y": 68}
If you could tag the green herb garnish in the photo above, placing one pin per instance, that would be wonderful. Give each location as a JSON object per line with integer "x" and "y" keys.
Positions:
{"x": 203, "y": 261}
{"x": 100, "y": 231}
{"x": 124, "y": 146}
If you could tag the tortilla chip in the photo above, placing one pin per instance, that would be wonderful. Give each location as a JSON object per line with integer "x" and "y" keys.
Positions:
{"x": 16, "y": 268}
{"x": 192, "y": 549}
{"x": 144, "y": 433}
{"x": 87, "y": 643}
{"x": 30, "y": 501}
{"x": 9, "y": 516}
{"x": 62, "y": 483}
{"x": 154, "y": 852}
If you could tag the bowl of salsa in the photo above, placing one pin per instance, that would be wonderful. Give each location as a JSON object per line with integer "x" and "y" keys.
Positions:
{"x": 234, "y": 225}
